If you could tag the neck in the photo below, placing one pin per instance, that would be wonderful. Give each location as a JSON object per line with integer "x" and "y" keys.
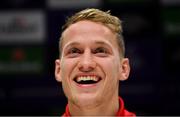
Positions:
{"x": 110, "y": 108}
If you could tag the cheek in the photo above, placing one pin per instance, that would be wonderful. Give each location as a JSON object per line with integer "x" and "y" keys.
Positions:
{"x": 64, "y": 69}
{"x": 67, "y": 67}
{"x": 110, "y": 67}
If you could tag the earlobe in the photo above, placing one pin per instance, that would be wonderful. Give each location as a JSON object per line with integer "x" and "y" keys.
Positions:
{"x": 125, "y": 69}
{"x": 57, "y": 70}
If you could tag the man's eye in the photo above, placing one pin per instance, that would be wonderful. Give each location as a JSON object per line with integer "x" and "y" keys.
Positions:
{"x": 73, "y": 52}
{"x": 101, "y": 50}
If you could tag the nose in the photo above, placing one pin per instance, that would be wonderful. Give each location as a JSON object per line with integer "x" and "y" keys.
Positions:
{"x": 86, "y": 63}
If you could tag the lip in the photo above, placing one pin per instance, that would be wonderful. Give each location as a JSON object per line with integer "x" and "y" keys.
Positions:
{"x": 86, "y": 85}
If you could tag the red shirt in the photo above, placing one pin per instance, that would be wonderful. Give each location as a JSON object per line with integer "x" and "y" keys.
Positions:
{"x": 121, "y": 112}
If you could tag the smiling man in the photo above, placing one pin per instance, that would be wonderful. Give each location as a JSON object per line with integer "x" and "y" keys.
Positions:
{"x": 91, "y": 64}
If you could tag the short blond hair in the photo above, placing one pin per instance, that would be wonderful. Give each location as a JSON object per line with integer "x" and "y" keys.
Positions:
{"x": 96, "y": 15}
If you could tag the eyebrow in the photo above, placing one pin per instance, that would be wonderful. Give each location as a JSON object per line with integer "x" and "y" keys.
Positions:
{"x": 96, "y": 42}
{"x": 103, "y": 43}
{"x": 71, "y": 44}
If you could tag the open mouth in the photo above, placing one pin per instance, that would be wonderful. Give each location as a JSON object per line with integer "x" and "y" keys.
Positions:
{"x": 87, "y": 79}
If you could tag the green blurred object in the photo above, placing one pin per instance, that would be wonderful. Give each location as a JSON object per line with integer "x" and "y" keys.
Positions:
{"x": 171, "y": 22}
{"x": 18, "y": 60}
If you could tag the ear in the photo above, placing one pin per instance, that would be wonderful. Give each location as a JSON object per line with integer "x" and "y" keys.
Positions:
{"x": 125, "y": 69}
{"x": 58, "y": 70}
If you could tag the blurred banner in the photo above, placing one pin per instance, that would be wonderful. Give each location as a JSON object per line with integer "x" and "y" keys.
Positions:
{"x": 170, "y": 2}
{"x": 64, "y": 4}
{"x": 22, "y": 27}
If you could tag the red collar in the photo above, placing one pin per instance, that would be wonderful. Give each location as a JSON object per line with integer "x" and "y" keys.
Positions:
{"x": 121, "y": 112}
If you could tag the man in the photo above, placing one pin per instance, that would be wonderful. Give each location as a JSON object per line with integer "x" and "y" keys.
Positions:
{"x": 91, "y": 64}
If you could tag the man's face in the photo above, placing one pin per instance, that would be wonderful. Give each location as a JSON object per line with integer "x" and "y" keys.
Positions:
{"x": 90, "y": 66}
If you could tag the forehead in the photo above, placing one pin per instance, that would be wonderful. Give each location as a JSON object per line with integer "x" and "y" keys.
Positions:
{"x": 88, "y": 30}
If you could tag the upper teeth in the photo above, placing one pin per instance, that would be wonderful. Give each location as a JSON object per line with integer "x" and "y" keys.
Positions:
{"x": 85, "y": 78}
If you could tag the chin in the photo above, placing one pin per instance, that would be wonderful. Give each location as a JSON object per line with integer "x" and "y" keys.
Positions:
{"x": 87, "y": 100}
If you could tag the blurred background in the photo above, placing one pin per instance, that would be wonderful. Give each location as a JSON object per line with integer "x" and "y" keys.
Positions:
{"x": 29, "y": 33}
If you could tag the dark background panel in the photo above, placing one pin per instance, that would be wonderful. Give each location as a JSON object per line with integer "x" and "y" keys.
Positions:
{"x": 152, "y": 45}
